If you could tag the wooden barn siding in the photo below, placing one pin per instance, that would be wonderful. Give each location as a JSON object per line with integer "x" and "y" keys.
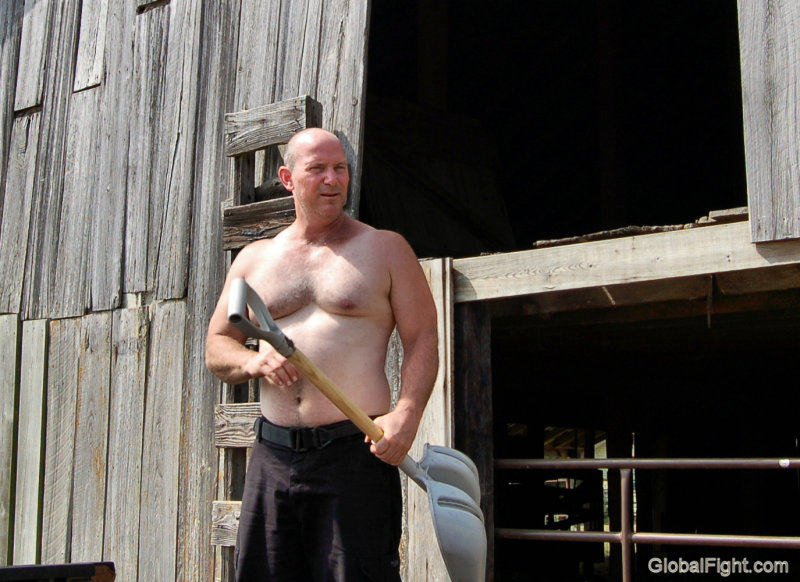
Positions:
{"x": 112, "y": 179}
{"x": 312, "y": 48}
{"x": 770, "y": 59}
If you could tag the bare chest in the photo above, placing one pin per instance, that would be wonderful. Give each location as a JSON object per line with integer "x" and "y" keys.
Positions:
{"x": 341, "y": 284}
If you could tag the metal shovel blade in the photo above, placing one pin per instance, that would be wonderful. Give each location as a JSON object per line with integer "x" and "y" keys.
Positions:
{"x": 460, "y": 531}
{"x": 448, "y": 476}
{"x": 451, "y": 480}
{"x": 445, "y": 465}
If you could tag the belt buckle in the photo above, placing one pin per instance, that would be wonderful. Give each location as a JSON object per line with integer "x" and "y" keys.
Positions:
{"x": 313, "y": 438}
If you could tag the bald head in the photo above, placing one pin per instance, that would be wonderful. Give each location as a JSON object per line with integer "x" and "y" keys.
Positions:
{"x": 306, "y": 138}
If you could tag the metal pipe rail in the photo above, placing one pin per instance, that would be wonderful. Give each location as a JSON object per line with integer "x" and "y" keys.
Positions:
{"x": 626, "y": 537}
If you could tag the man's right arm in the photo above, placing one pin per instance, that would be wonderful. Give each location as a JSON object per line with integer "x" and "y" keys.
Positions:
{"x": 226, "y": 355}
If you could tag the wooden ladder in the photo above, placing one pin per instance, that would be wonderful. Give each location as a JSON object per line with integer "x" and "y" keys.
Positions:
{"x": 256, "y": 211}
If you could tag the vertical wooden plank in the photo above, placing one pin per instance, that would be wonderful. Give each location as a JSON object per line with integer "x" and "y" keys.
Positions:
{"x": 33, "y": 53}
{"x": 128, "y": 381}
{"x": 198, "y": 462}
{"x": 147, "y": 95}
{"x": 160, "y": 190}
{"x": 112, "y": 176}
{"x": 298, "y": 50}
{"x": 769, "y": 40}
{"x": 341, "y": 82}
{"x": 11, "y": 32}
{"x": 160, "y": 475}
{"x": 257, "y": 70}
{"x": 177, "y": 131}
{"x": 425, "y": 561}
{"x": 9, "y": 394}
{"x": 17, "y": 210}
{"x": 30, "y": 437}
{"x": 91, "y": 44}
{"x": 62, "y": 396}
{"x": 69, "y": 295}
{"x": 474, "y": 425}
{"x": 257, "y": 53}
{"x": 91, "y": 438}
{"x": 50, "y": 165}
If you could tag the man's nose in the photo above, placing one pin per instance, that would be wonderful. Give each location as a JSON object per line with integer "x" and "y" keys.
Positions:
{"x": 330, "y": 176}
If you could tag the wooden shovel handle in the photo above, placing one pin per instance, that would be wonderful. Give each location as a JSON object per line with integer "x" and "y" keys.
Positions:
{"x": 325, "y": 385}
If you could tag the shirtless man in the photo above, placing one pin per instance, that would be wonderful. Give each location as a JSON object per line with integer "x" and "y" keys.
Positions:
{"x": 318, "y": 502}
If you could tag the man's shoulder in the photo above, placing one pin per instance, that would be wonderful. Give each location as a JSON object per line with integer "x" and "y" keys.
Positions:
{"x": 380, "y": 236}
{"x": 252, "y": 253}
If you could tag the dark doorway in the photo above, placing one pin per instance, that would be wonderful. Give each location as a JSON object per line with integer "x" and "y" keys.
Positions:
{"x": 493, "y": 125}
{"x": 672, "y": 387}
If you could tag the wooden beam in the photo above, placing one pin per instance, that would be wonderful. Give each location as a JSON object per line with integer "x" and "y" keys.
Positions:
{"x": 225, "y": 523}
{"x": 423, "y": 558}
{"x": 233, "y": 424}
{"x": 255, "y": 129}
{"x": 244, "y": 224}
{"x": 707, "y": 250}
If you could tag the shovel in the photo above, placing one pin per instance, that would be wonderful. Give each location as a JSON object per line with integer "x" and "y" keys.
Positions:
{"x": 448, "y": 476}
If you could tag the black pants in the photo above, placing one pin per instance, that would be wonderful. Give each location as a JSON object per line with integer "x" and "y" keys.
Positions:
{"x": 323, "y": 515}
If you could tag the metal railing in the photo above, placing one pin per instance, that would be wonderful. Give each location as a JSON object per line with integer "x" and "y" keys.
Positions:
{"x": 626, "y": 537}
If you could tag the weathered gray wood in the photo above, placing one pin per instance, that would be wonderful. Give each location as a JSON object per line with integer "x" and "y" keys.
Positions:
{"x": 166, "y": 67}
{"x": 30, "y": 442}
{"x": 91, "y": 44}
{"x": 33, "y": 53}
{"x": 233, "y": 424}
{"x": 128, "y": 383}
{"x": 198, "y": 463}
{"x": 69, "y": 295}
{"x": 256, "y": 57}
{"x": 177, "y": 132}
{"x": 424, "y": 560}
{"x": 10, "y": 31}
{"x": 62, "y": 392}
{"x": 91, "y": 438}
{"x": 143, "y": 180}
{"x": 298, "y": 49}
{"x": 43, "y": 240}
{"x": 698, "y": 251}
{"x": 114, "y": 112}
{"x": 256, "y": 70}
{"x": 274, "y": 124}
{"x": 770, "y": 55}
{"x": 9, "y": 384}
{"x": 225, "y": 523}
{"x": 341, "y": 86}
{"x": 247, "y": 223}
{"x": 17, "y": 211}
{"x": 160, "y": 472}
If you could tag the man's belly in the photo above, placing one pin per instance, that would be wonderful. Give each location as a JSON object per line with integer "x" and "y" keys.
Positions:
{"x": 350, "y": 350}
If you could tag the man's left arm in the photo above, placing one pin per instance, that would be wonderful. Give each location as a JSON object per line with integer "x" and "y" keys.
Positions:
{"x": 415, "y": 316}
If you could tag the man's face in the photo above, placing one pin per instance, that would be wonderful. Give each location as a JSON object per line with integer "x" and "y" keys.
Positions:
{"x": 320, "y": 176}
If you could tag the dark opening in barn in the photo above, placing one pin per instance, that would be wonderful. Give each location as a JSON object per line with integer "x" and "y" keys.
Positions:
{"x": 492, "y": 126}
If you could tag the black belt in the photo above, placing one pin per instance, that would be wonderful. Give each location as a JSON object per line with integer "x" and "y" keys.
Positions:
{"x": 303, "y": 439}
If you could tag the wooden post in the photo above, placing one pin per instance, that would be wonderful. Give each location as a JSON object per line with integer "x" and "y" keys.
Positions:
{"x": 474, "y": 426}
{"x": 30, "y": 437}
{"x": 9, "y": 384}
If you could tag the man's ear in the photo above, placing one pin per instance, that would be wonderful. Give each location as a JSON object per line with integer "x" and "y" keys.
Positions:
{"x": 285, "y": 176}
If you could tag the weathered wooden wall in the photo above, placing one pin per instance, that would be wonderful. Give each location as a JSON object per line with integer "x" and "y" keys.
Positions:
{"x": 770, "y": 58}
{"x": 112, "y": 182}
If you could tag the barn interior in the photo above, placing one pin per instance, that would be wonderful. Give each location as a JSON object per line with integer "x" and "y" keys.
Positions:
{"x": 493, "y": 128}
